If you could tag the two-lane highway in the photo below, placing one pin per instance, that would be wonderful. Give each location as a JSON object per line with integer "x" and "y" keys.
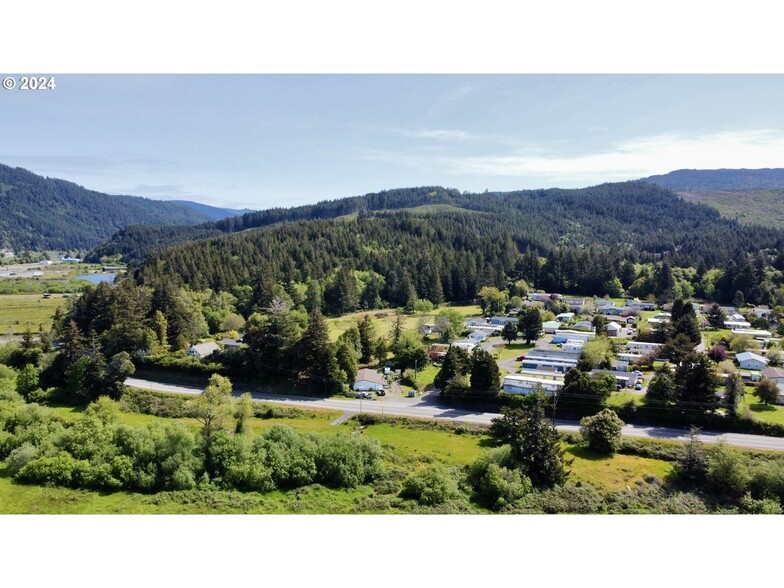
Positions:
{"x": 427, "y": 409}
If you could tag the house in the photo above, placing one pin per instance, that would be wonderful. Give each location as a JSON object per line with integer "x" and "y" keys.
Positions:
{"x": 604, "y": 304}
{"x": 614, "y": 311}
{"x": 643, "y": 346}
{"x": 751, "y": 361}
{"x": 777, "y": 375}
{"x": 477, "y": 336}
{"x": 550, "y": 327}
{"x": 565, "y": 317}
{"x": 583, "y": 326}
{"x": 619, "y": 366}
{"x": 203, "y": 349}
{"x": 566, "y": 334}
{"x": 572, "y": 345}
{"x": 756, "y": 333}
{"x": 733, "y": 324}
{"x": 70, "y": 259}
{"x": 476, "y": 322}
{"x": 637, "y": 305}
{"x": 502, "y": 320}
{"x": 525, "y": 384}
{"x": 541, "y": 296}
{"x": 437, "y": 351}
{"x": 231, "y": 343}
{"x": 7, "y": 253}
{"x": 630, "y": 320}
{"x": 622, "y": 380}
{"x": 628, "y": 357}
{"x": 466, "y": 344}
{"x": 574, "y": 303}
{"x": 368, "y": 380}
{"x": 613, "y": 329}
{"x": 761, "y": 312}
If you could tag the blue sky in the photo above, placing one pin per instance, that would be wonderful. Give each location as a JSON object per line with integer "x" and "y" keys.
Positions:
{"x": 258, "y": 141}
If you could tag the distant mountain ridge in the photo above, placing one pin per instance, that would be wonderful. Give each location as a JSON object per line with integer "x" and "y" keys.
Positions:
{"x": 213, "y": 212}
{"x": 39, "y": 213}
{"x": 720, "y": 179}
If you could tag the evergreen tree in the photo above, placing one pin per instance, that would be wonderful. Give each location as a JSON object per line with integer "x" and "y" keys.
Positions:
{"x": 347, "y": 361}
{"x": 538, "y": 449}
{"x": 313, "y": 296}
{"x": 367, "y": 335}
{"x": 661, "y": 390}
{"x": 456, "y": 362}
{"x": 509, "y": 332}
{"x": 320, "y": 363}
{"x": 484, "y": 373}
{"x": 716, "y": 317}
{"x": 530, "y": 324}
{"x": 696, "y": 382}
{"x": 733, "y": 392}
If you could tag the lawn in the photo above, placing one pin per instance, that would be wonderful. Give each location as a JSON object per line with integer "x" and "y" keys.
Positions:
{"x": 622, "y": 397}
{"x": 768, "y": 413}
{"x": 514, "y": 350}
{"x": 426, "y": 445}
{"x": 384, "y": 319}
{"x": 18, "y": 311}
{"x": 613, "y": 473}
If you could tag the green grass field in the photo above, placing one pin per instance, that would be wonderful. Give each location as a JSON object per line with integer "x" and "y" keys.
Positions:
{"x": 18, "y": 311}
{"x": 404, "y": 447}
{"x": 384, "y": 319}
{"x": 613, "y": 473}
{"x": 514, "y": 350}
{"x": 768, "y": 413}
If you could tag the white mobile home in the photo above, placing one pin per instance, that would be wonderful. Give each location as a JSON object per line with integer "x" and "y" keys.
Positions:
{"x": 523, "y": 384}
{"x": 751, "y": 361}
{"x": 369, "y": 380}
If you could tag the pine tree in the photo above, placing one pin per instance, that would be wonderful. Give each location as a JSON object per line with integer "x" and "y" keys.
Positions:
{"x": 485, "y": 378}
{"x": 535, "y": 443}
{"x": 320, "y": 363}
{"x": 456, "y": 362}
{"x": 530, "y": 324}
{"x": 313, "y": 296}
{"x": 367, "y": 334}
{"x": 716, "y": 317}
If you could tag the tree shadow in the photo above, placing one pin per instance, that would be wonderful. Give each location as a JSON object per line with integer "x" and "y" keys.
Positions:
{"x": 587, "y": 454}
{"x": 762, "y": 408}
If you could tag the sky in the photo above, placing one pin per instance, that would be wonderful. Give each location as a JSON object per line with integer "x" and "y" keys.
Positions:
{"x": 257, "y": 141}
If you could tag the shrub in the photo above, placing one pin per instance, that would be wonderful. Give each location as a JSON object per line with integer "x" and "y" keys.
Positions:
{"x": 749, "y": 505}
{"x": 61, "y": 470}
{"x": 434, "y": 484}
{"x": 20, "y": 457}
{"x": 346, "y": 462}
{"x": 500, "y": 486}
{"x": 767, "y": 480}
{"x": 290, "y": 455}
{"x": 727, "y": 474}
{"x": 602, "y": 431}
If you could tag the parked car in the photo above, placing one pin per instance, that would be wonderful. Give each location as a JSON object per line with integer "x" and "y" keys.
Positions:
{"x": 381, "y": 393}
{"x": 638, "y": 386}
{"x": 520, "y": 357}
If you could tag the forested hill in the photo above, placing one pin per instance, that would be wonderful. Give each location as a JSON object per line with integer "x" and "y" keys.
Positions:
{"x": 591, "y": 230}
{"x": 136, "y": 243}
{"x": 720, "y": 179}
{"x": 41, "y": 213}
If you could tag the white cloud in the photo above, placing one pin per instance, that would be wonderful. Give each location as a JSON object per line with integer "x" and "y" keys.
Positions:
{"x": 638, "y": 157}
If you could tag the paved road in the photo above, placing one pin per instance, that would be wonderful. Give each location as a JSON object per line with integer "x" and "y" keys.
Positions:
{"x": 427, "y": 407}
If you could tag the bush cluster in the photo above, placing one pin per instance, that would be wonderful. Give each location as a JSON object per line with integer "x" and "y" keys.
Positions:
{"x": 97, "y": 452}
